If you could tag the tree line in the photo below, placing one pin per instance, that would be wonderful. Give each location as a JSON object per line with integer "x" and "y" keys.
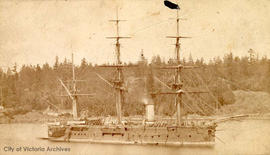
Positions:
{"x": 35, "y": 87}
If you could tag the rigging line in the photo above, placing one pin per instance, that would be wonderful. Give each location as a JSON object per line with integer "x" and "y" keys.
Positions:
{"x": 217, "y": 70}
{"x": 194, "y": 99}
{"x": 141, "y": 18}
{"x": 220, "y": 139}
{"x": 189, "y": 107}
{"x": 106, "y": 81}
{"x": 233, "y": 83}
{"x": 190, "y": 79}
{"x": 198, "y": 80}
{"x": 223, "y": 78}
{"x": 83, "y": 72}
{"x": 186, "y": 77}
{"x": 199, "y": 102}
{"x": 104, "y": 90}
{"x": 211, "y": 94}
{"x": 162, "y": 83}
{"x": 127, "y": 48}
{"x": 105, "y": 47}
{"x": 79, "y": 74}
{"x": 204, "y": 101}
{"x": 147, "y": 27}
{"x": 198, "y": 108}
{"x": 211, "y": 77}
{"x": 129, "y": 53}
{"x": 206, "y": 87}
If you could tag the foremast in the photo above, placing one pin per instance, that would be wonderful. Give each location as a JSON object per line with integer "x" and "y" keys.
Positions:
{"x": 119, "y": 80}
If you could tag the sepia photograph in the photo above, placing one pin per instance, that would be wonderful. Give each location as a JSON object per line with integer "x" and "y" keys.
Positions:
{"x": 134, "y": 77}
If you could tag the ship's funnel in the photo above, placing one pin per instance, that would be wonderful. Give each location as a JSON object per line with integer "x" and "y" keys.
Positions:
{"x": 149, "y": 110}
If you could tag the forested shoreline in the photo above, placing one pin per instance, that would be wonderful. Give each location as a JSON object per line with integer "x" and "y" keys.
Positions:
{"x": 35, "y": 87}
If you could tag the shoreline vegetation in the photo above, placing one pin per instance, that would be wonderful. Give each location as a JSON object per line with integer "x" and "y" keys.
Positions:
{"x": 249, "y": 105}
{"x": 235, "y": 86}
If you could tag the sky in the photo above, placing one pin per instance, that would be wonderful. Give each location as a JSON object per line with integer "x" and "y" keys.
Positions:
{"x": 36, "y": 31}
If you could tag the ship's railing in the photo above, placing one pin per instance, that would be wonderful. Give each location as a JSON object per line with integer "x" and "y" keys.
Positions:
{"x": 170, "y": 121}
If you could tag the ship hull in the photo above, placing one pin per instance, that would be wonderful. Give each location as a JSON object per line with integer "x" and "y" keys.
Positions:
{"x": 171, "y": 136}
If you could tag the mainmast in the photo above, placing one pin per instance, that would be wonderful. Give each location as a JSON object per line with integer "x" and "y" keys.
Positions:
{"x": 119, "y": 80}
{"x": 177, "y": 85}
{"x": 177, "y": 79}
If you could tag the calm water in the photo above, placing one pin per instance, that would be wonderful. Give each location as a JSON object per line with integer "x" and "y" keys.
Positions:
{"x": 239, "y": 137}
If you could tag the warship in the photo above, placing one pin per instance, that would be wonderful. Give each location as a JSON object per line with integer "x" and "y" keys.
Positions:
{"x": 149, "y": 130}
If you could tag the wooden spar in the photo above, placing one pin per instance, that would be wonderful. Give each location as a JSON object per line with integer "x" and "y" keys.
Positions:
{"x": 75, "y": 98}
{"x": 177, "y": 79}
{"x": 73, "y": 93}
{"x": 106, "y": 81}
{"x": 118, "y": 83}
{"x": 74, "y": 103}
{"x": 78, "y": 95}
{"x": 177, "y": 67}
{"x": 68, "y": 92}
{"x": 1, "y": 96}
{"x": 179, "y": 92}
{"x": 177, "y": 85}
